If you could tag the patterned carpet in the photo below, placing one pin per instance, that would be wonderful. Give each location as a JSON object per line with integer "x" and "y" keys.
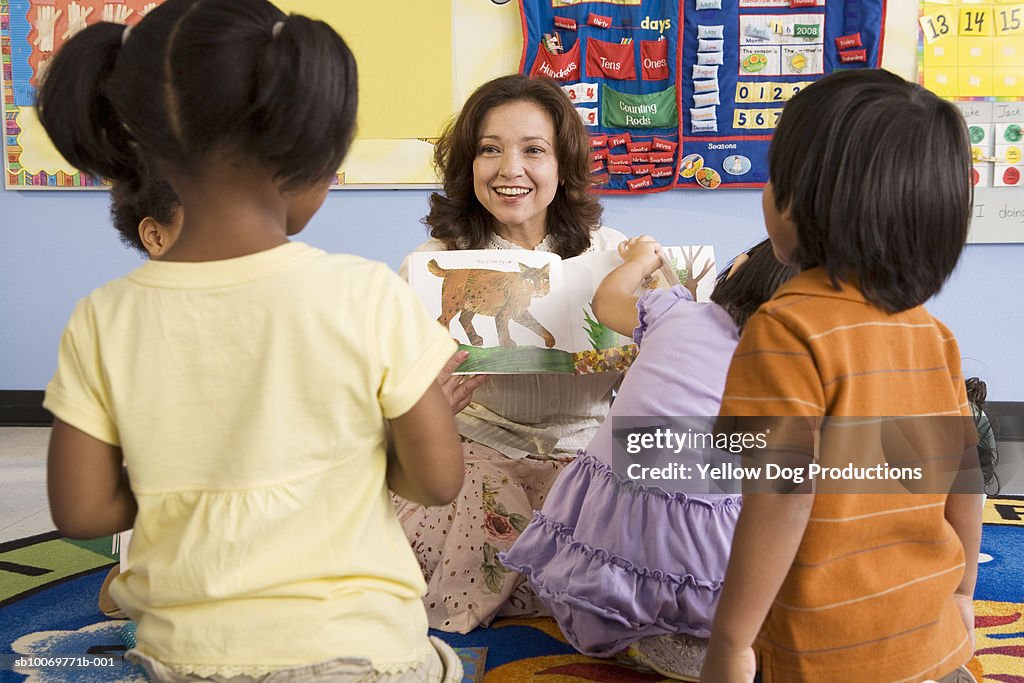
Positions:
{"x": 48, "y": 589}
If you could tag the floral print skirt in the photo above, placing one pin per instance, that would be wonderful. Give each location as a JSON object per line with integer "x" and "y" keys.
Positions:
{"x": 457, "y": 544}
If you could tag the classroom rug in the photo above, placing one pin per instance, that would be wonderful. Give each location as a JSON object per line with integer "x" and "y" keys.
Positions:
{"x": 49, "y": 585}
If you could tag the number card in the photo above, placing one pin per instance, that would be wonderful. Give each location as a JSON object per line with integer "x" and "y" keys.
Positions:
{"x": 938, "y": 25}
{"x": 756, "y": 118}
{"x": 1009, "y": 20}
{"x": 976, "y": 21}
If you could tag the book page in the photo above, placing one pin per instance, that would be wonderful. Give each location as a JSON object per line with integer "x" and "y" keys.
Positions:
{"x": 583, "y": 275}
{"x": 506, "y": 307}
{"x": 519, "y": 311}
{"x": 694, "y": 268}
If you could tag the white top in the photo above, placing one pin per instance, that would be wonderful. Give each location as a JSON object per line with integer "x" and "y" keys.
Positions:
{"x": 537, "y": 416}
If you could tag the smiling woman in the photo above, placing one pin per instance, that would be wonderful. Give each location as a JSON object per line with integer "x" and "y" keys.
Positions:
{"x": 516, "y": 171}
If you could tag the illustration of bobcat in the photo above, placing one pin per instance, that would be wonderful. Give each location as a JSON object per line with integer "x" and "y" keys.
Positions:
{"x": 502, "y": 295}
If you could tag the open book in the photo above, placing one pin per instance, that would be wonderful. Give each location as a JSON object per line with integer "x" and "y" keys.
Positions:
{"x": 520, "y": 311}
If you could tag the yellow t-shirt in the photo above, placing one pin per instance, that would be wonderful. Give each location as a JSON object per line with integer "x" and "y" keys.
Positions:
{"x": 247, "y": 396}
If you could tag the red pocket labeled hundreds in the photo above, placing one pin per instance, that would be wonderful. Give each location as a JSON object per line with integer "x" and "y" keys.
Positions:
{"x": 564, "y": 67}
{"x": 610, "y": 60}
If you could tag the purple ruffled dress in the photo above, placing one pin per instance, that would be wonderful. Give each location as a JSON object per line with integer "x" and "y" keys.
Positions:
{"x": 614, "y": 560}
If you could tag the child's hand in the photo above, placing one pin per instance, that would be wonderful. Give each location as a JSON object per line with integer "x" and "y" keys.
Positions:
{"x": 965, "y": 603}
{"x": 458, "y": 389}
{"x": 729, "y": 667}
{"x": 643, "y": 251}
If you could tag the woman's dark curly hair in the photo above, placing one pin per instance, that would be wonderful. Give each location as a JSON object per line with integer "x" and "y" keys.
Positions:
{"x": 456, "y": 216}
{"x": 130, "y": 202}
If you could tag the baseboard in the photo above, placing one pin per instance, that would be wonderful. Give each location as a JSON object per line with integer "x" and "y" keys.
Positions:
{"x": 23, "y": 409}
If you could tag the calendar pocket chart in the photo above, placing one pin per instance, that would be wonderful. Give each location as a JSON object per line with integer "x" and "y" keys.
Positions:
{"x": 687, "y": 93}
{"x": 973, "y": 54}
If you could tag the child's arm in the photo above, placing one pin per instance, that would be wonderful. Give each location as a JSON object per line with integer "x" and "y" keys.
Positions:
{"x": 614, "y": 302}
{"x": 767, "y": 536}
{"x": 87, "y": 485}
{"x": 786, "y": 391}
{"x": 964, "y": 514}
{"x": 424, "y": 454}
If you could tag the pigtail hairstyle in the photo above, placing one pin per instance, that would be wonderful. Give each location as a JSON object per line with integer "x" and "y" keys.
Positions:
{"x": 459, "y": 220}
{"x": 74, "y": 109}
{"x": 875, "y": 173}
{"x": 297, "y": 61}
{"x": 201, "y": 77}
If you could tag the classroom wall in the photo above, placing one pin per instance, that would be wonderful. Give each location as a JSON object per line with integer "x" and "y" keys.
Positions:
{"x": 57, "y": 246}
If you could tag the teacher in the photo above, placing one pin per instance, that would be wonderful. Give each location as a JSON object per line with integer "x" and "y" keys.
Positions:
{"x": 515, "y": 168}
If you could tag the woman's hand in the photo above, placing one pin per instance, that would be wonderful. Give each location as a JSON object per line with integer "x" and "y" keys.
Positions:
{"x": 729, "y": 667}
{"x": 644, "y": 251}
{"x": 458, "y": 389}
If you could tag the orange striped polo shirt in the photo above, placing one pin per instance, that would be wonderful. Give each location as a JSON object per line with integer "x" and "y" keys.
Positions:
{"x": 869, "y": 596}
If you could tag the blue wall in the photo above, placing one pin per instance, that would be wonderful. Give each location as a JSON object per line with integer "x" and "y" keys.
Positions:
{"x": 57, "y": 246}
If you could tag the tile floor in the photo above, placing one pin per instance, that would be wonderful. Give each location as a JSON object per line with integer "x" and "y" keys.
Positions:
{"x": 24, "y": 510}
{"x": 23, "y": 507}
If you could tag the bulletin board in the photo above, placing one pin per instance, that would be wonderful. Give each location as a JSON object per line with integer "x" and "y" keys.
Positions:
{"x": 973, "y": 54}
{"x": 686, "y": 93}
{"x": 418, "y": 61}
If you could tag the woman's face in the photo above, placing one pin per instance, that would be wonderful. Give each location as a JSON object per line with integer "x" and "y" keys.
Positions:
{"x": 515, "y": 172}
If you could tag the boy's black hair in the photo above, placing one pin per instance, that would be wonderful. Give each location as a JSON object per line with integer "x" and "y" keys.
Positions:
{"x": 754, "y": 283}
{"x": 197, "y": 78}
{"x": 875, "y": 173}
{"x": 130, "y": 202}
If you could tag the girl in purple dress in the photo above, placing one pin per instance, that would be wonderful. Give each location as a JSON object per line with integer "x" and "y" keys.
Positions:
{"x": 622, "y": 564}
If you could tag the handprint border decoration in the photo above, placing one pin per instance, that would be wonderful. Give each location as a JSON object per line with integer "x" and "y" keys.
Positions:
{"x": 31, "y": 31}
